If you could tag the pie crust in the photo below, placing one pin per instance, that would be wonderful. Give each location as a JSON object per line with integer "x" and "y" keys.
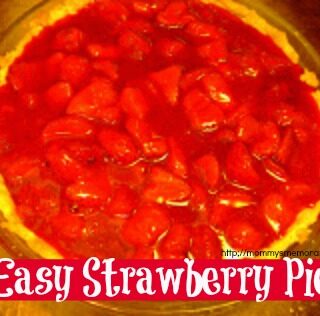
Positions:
{"x": 297, "y": 233}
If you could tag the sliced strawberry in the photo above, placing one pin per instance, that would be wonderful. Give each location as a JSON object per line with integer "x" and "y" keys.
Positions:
{"x": 135, "y": 46}
{"x": 168, "y": 81}
{"x": 58, "y": 96}
{"x": 170, "y": 48}
{"x": 200, "y": 31}
{"x": 153, "y": 145}
{"x": 148, "y": 8}
{"x": 89, "y": 192}
{"x": 31, "y": 101}
{"x": 177, "y": 162}
{"x": 274, "y": 170}
{"x": 199, "y": 199}
{"x": 123, "y": 203}
{"x": 101, "y": 51}
{"x": 176, "y": 243}
{"x": 235, "y": 199}
{"x": 213, "y": 52}
{"x": 67, "y": 127}
{"x": 166, "y": 188}
{"x": 225, "y": 136}
{"x": 248, "y": 129}
{"x": 22, "y": 168}
{"x": 204, "y": 115}
{"x": 208, "y": 171}
{"x": 205, "y": 243}
{"x": 286, "y": 146}
{"x": 218, "y": 90}
{"x": 27, "y": 76}
{"x": 134, "y": 103}
{"x": 242, "y": 234}
{"x": 119, "y": 146}
{"x": 269, "y": 141}
{"x": 139, "y": 26}
{"x": 113, "y": 12}
{"x": 175, "y": 15}
{"x": 107, "y": 68}
{"x": 75, "y": 70}
{"x": 67, "y": 225}
{"x": 193, "y": 77}
{"x": 93, "y": 100}
{"x": 52, "y": 66}
{"x": 69, "y": 40}
{"x": 239, "y": 166}
{"x": 146, "y": 226}
{"x": 62, "y": 162}
{"x": 278, "y": 212}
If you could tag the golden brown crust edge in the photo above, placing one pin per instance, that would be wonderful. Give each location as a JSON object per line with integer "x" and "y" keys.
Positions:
{"x": 297, "y": 233}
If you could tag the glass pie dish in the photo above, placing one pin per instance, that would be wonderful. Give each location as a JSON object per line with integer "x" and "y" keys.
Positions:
{"x": 18, "y": 30}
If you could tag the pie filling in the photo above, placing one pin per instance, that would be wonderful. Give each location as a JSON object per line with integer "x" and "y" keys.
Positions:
{"x": 142, "y": 129}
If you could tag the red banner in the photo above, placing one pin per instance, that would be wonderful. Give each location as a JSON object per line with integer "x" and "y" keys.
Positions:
{"x": 109, "y": 279}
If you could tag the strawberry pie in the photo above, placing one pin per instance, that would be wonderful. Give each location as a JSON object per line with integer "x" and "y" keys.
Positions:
{"x": 158, "y": 129}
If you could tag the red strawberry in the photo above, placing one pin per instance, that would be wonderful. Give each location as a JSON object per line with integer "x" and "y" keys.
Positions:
{"x": 107, "y": 68}
{"x": 31, "y": 101}
{"x": 278, "y": 211}
{"x": 89, "y": 192}
{"x": 67, "y": 225}
{"x": 239, "y": 166}
{"x": 147, "y": 7}
{"x": 199, "y": 199}
{"x": 175, "y": 15}
{"x": 70, "y": 40}
{"x": 62, "y": 162}
{"x": 200, "y": 31}
{"x": 166, "y": 188}
{"x": 176, "y": 243}
{"x": 192, "y": 78}
{"x": 153, "y": 145}
{"x": 275, "y": 170}
{"x": 286, "y": 146}
{"x": 93, "y": 100}
{"x": 27, "y": 76}
{"x": 205, "y": 243}
{"x": 52, "y": 66}
{"x": 225, "y": 136}
{"x": 58, "y": 96}
{"x": 67, "y": 127}
{"x": 235, "y": 199}
{"x": 104, "y": 51}
{"x": 21, "y": 168}
{"x": 204, "y": 115}
{"x": 123, "y": 202}
{"x": 167, "y": 81}
{"x": 146, "y": 226}
{"x": 214, "y": 52}
{"x": 242, "y": 234}
{"x": 208, "y": 170}
{"x": 269, "y": 141}
{"x": 135, "y": 46}
{"x": 119, "y": 146}
{"x": 170, "y": 48}
{"x": 113, "y": 12}
{"x": 139, "y": 26}
{"x": 218, "y": 90}
{"x": 134, "y": 103}
{"x": 75, "y": 70}
{"x": 248, "y": 129}
{"x": 176, "y": 161}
